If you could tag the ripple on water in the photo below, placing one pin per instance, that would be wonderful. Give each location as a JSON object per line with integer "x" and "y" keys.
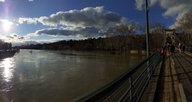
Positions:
{"x": 6, "y": 74}
{"x": 5, "y": 86}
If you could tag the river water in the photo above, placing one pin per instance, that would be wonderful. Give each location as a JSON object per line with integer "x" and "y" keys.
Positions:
{"x": 58, "y": 76}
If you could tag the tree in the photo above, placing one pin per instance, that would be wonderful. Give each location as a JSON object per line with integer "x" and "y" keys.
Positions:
{"x": 157, "y": 35}
{"x": 119, "y": 33}
{"x": 184, "y": 27}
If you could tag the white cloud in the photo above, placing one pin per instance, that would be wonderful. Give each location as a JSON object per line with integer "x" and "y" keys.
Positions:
{"x": 30, "y": 0}
{"x": 17, "y": 40}
{"x": 70, "y": 31}
{"x": 87, "y": 22}
{"x": 14, "y": 37}
{"x": 153, "y": 2}
{"x": 173, "y": 7}
{"x": 21, "y": 20}
{"x": 2, "y": 0}
{"x": 6, "y": 21}
{"x": 88, "y": 16}
{"x": 139, "y": 4}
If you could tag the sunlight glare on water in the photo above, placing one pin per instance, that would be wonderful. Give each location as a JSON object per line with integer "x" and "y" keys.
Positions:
{"x": 7, "y": 65}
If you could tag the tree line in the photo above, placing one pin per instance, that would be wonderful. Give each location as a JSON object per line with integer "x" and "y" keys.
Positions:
{"x": 119, "y": 39}
{"x": 123, "y": 38}
{"x": 5, "y": 46}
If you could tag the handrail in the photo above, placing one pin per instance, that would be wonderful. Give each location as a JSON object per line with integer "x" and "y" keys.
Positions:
{"x": 189, "y": 49}
{"x": 129, "y": 86}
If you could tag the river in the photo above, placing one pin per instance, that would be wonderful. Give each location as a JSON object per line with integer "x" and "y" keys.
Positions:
{"x": 58, "y": 76}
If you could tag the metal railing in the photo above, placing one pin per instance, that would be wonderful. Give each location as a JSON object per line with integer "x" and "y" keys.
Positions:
{"x": 128, "y": 87}
{"x": 188, "y": 49}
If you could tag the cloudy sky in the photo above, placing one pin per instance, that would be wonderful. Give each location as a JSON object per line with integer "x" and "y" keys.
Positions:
{"x": 44, "y": 21}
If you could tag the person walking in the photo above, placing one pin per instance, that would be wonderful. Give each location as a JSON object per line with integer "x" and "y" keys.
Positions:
{"x": 183, "y": 48}
{"x": 172, "y": 49}
{"x": 180, "y": 46}
{"x": 162, "y": 51}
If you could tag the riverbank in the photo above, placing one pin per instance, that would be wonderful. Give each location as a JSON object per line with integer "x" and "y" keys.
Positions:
{"x": 140, "y": 52}
{"x": 5, "y": 54}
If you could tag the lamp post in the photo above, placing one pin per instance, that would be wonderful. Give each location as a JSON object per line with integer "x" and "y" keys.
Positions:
{"x": 147, "y": 29}
{"x": 147, "y": 38}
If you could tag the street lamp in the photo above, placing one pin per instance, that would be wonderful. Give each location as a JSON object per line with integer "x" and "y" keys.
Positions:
{"x": 147, "y": 29}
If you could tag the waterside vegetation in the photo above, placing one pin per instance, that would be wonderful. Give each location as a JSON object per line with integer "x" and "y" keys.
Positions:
{"x": 123, "y": 38}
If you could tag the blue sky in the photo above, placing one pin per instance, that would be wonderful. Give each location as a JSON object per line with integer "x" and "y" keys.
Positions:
{"x": 44, "y": 21}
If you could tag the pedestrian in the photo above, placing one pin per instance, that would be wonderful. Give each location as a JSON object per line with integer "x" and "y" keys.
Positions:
{"x": 162, "y": 51}
{"x": 172, "y": 49}
{"x": 179, "y": 46}
{"x": 183, "y": 48}
{"x": 169, "y": 52}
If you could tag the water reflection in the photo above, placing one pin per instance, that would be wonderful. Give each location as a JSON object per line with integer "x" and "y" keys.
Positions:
{"x": 50, "y": 76}
{"x": 7, "y": 65}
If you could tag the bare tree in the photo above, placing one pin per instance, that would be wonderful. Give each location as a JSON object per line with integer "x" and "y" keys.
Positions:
{"x": 157, "y": 35}
{"x": 185, "y": 23}
{"x": 120, "y": 39}
{"x": 184, "y": 26}
{"x": 142, "y": 28}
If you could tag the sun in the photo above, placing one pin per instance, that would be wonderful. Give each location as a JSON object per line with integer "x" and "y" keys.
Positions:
{"x": 6, "y": 26}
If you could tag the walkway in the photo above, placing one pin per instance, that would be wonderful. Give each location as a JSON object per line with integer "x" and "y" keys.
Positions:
{"x": 171, "y": 82}
{"x": 177, "y": 79}
{"x": 183, "y": 66}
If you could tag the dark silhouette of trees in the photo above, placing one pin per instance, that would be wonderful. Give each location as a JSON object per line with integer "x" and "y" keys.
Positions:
{"x": 5, "y": 46}
{"x": 119, "y": 39}
{"x": 157, "y": 35}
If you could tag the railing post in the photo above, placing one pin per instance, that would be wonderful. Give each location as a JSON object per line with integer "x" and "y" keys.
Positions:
{"x": 147, "y": 36}
{"x": 148, "y": 70}
{"x": 130, "y": 93}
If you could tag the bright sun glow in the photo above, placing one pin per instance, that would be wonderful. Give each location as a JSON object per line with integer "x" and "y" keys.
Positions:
{"x": 6, "y": 26}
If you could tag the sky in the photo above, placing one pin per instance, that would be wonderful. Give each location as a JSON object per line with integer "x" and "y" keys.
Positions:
{"x": 44, "y": 21}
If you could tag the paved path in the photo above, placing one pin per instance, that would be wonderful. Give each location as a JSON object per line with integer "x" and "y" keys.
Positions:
{"x": 177, "y": 78}
{"x": 171, "y": 84}
{"x": 183, "y": 66}
{"x": 174, "y": 82}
